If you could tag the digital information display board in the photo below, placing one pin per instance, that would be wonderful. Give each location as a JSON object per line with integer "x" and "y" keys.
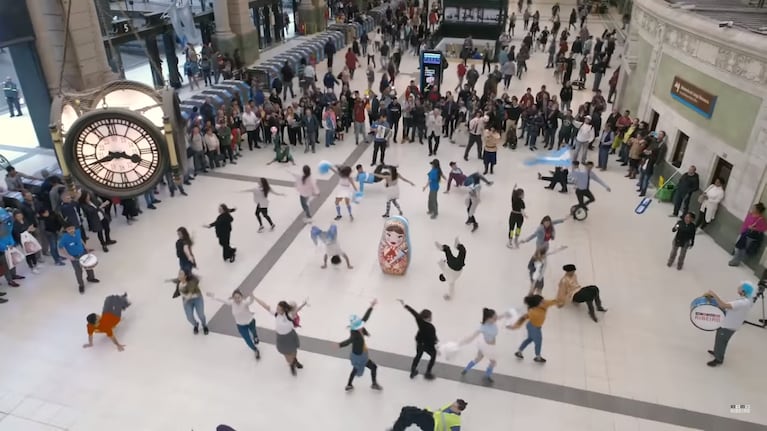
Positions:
{"x": 431, "y": 69}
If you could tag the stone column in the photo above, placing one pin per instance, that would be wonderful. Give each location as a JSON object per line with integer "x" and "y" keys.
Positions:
{"x": 234, "y": 29}
{"x": 311, "y": 16}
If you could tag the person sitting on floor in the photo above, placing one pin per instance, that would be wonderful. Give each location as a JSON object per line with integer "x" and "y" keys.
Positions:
{"x": 559, "y": 176}
{"x": 571, "y": 291}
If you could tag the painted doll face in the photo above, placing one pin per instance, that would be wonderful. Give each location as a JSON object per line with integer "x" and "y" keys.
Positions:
{"x": 394, "y": 239}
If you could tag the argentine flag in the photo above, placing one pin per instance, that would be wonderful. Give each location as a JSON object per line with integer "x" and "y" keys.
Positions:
{"x": 561, "y": 157}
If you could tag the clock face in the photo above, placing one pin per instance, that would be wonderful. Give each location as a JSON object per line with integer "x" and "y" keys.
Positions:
{"x": 118, "y": 153}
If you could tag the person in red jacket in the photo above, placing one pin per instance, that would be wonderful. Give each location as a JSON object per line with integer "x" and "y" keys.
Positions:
{"x": 351, "y": 62}
{"x": 461, "y": 71}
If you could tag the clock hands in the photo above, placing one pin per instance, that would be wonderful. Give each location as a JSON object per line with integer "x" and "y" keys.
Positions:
{"x": 112, "y": 155}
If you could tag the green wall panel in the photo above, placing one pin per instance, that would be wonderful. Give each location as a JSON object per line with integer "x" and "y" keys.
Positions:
{"x": 634, "y": 87}
{"x": 735, "y": 110}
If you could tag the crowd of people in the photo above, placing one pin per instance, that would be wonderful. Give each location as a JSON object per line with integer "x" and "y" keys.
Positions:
{"x": 486, "y": 118}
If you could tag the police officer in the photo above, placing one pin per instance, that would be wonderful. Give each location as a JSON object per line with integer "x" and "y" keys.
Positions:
{"x": 445, "y": 418}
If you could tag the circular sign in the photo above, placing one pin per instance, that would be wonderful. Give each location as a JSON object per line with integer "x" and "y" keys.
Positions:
{"x": 116, "y": 152}
{"x": 705, "y": 314}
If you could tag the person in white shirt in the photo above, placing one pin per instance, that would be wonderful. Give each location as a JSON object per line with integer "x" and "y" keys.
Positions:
{"x": 583, "y": 138}
{"x": 310, "y": 78}
{"x": 251, "y": 122}
{"x": 243, "y": 318}
{"x": 736, "y": 313}
{"x": 286, "y": 319}
{"x": 212, "y": 147}
{"x": 261, "y": 198}
{"x": 476, "y": 127}
{"x": 433, "y": 129}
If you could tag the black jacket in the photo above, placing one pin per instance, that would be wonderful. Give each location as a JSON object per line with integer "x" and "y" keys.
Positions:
{"x": 688, "y": 183}
{"x": 685, "y": 234}
{"x": 427, "y": 334}
{"x": 223, "y": 224}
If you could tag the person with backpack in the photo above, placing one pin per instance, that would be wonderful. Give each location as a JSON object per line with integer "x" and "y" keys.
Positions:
{"x": 286, "y": 319}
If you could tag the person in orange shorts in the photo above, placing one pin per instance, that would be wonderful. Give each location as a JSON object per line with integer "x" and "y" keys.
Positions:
{"x": 110, "y": 317}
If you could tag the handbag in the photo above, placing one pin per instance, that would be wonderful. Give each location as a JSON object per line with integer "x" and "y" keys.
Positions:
{"x": 29, "y": 243}
{"x": 13, "y": 257}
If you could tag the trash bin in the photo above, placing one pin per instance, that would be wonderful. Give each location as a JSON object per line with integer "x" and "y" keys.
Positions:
{"x": 666, "y": 193}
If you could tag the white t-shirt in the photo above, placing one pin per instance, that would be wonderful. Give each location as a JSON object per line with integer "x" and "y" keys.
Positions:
{"x": 250, "y": 121}
{"x": 259, "y": 198}
{"x": 282, "y": 325}
{"x": 241, "y": 312}
{"x": 735, "y": 316}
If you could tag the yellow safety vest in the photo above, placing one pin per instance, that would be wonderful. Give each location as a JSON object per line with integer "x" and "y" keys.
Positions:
{"x": 445, "y": 421}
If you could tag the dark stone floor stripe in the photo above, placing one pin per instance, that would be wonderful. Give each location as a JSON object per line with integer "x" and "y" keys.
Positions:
{"x": 223, "y": 323}
{"x": 248, "y": 178}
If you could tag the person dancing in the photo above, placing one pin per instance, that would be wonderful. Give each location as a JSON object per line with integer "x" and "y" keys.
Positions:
{"x": 447, "y": 418}
{"x": 486, "y": 335}
{"x": 261, "y": 198}
{"x": 332, "y": 248}
{"x": 472, "y": 201}
{"x": 243, "y": 318}
{"x": 425, "y": 340}
{"x": 223, "y": 226}
{"x": 537, "y": 267}
{"x": 285, "y": 322}
{"x": 572, "y": 291}
{"x": 359, "y": 352}
{"x": 517, "y": 216}
{"x": 392, "y": 188}
{"x": 110, "y": 317}
{"x": 535, "y": 316}
{"x": 345, "y": 190}
{"x": 451, "y": 266}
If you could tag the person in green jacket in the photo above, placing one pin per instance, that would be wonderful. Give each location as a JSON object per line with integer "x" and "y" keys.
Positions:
{"x": 224, "y": 133}
{"x": 447, "y": 418}
{"x": 282, "y": 154}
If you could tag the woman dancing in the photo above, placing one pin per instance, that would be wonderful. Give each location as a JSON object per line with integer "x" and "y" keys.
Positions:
{"x": 307, "y": 188}
{"x": 243, "y": 318}
{"x": 285, "y": 322}
{"x": 345, "y": 190}
{"x": 472, "y": 201}
{"x": 359, "y": 353}
{"x": 261, "y": 198}
{"x": 537, "y": 267}
{"x": 570, "y": 290}
{"x": 535, "y": 316}
{"x": 544, "y": 233}
{"x": 451, "y": 266}
{"x": 223, "y": 225}
{"x": 425, "y": 340}
{"x": 186, "y": 260}
{"x": 188, "y": 288}
{"x": 392, "y": 188}
{"x": 486, "y": 335}
{"x": 516, "y": 217}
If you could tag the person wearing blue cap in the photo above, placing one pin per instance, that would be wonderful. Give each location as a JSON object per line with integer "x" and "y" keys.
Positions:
{"x": 359, "y": 353}
{"x": 735, "y": 314}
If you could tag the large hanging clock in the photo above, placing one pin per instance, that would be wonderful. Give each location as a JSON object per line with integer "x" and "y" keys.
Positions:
{"x": 116, "y": 152}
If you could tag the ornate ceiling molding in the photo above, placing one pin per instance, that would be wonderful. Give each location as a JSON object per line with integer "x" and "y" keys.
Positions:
{"x": 728, "y": 59}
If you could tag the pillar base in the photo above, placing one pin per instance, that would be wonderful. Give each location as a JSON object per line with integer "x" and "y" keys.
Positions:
{"x": 246, "y": 43}
{"x": 311, "y": 18}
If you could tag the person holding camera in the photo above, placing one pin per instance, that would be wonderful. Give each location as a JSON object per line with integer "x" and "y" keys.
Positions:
{"x": 736, "y": 313}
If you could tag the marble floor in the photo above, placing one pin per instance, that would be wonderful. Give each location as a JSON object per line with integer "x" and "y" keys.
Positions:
{"x": 642, "y": 367}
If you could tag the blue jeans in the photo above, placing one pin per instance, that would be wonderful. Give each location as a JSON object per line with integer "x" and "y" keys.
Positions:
{"x": 149, "y": 198}
{"x": 305, "y": 206}
{"x": 193, "y": 305}
{"x": 329, "y": 136}
{"x": 534, "y": 335}
{"x": 53, "y": 241}
{"x": 604, "y": 151}
{"x": 532, "y": 136}
{"x": 249, "y": 334}
{"x": 644, "y": 180}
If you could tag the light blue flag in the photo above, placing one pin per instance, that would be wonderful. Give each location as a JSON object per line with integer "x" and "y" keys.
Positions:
{"x": 561, "y": 157}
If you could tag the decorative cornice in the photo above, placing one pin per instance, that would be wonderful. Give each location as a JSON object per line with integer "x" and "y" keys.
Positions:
{"x": 659, "y": 30}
